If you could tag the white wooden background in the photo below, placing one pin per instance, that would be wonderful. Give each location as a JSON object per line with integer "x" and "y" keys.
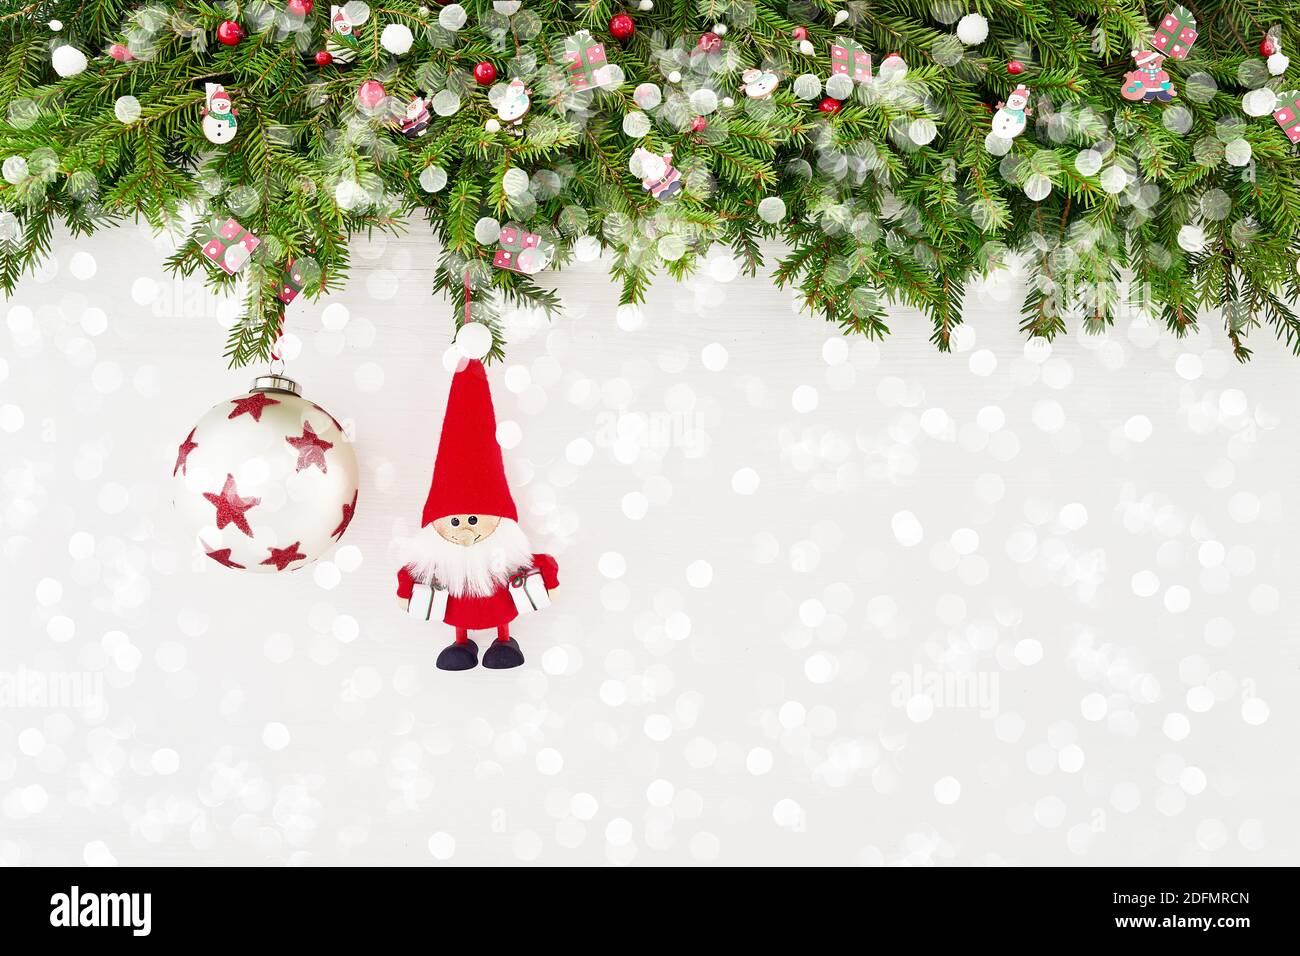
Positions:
{"x": 785, "y": 560}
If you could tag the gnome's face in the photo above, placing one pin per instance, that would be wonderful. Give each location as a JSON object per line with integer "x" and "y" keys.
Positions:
{"x": 466, "y": 530}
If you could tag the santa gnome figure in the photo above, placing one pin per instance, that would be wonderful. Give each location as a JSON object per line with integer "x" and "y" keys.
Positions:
{"x": 470, "y": 553}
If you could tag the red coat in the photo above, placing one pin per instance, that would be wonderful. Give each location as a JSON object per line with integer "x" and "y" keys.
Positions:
{"x": 483, "y": 613}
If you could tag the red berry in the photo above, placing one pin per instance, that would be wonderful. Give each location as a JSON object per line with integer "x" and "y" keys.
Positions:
{"x": 829, "y": 104}
{"x": 621, "y": 26}
{"x": 1267, "y": 47}
{"x": 699, "y": 124}
{"x": 229, "y": 32}
{"x": 484, "y": 73}
{"x": 709, "y": 42}
{"x": 801, "y": 33}
{"x": 121, "y": 53}
{"x": 1015, "y": 68}
{"x": 299, "y": 8}
{"x": 324, "y": 57}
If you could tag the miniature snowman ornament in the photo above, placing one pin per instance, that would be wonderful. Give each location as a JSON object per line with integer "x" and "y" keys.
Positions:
{"x": 513, "y": 105}
{"x": 219, "y": 122}
{"x": 1009, "y": 120}
{"x": 759, "y": 84}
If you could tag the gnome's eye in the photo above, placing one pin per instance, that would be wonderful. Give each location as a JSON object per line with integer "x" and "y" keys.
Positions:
{"x": 473, "y": 519}
{"x": 455, "y": 522}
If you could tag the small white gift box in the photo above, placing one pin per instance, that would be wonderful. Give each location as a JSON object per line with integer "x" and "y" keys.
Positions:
{"x": 428, "y": 602}
{"x": 528, "y": 591}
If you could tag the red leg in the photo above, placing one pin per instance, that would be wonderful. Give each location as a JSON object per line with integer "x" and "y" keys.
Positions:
{"x": 462, "y": 635}
{"x": 503, "y": 632}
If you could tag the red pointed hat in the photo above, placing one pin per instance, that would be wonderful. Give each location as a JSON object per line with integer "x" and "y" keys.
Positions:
{"x": 468, "y": 475}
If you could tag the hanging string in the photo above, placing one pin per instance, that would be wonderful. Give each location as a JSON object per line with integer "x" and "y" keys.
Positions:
{"x": 276, "y": 358}
{"x": 468, "y": 318}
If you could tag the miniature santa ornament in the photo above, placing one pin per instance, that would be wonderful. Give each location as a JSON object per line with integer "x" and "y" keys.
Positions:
{"x": 1009, "y": 120}
{"x": 470, "y": 565}
{"x": 659, "y": 177}
{"x": 415, "y": 122}
{"x": 219, "y": 122}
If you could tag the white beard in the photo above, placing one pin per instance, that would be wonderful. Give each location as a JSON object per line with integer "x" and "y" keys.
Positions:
{"x": 474, "y": 571}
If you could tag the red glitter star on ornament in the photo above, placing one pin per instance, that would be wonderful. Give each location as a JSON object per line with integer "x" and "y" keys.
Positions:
{"x": 283, "y": 557}
{"x": 230, "y": 507}
{"x": 253, "y": 405}
{"x": 348, "y": 512}
{"x": 183, "y": 453}
{"x": 311, "y": 450}
{"x": 222, "y": 557}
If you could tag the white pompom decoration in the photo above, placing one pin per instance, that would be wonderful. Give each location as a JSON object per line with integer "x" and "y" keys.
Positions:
{"x": 474, "y": 340}
{"x": 1277, "y": 63}
{"x": 68, "y": 60}
{"x": 771, "y": 209}
{"x": 972, "y": 29}
{"x": 396, "y": 38}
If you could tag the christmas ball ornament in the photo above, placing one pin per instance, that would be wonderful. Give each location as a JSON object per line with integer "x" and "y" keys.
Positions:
{"x": 801, "y": 33}
{"x": 121, "y": 52}
{"x": 972, "y": 29}
{"x": 370, "y": 95}
{"x": 485, "y": 73}
{"x": 324, "y": 57}
{"x": 829, "y": 104}
{"x": 229, "y": 32}
{"x": 396, "y": 38}
{"x": 709, "y": 42}
{"x": 806, "y": 47}
{"x": 1278, "y": 63}
{"x": 621, "y": 27}
{"x": 299, "y": 8}
{"x": 68, "y": 60}
{"x": 1267, "y": 46}
{"x": 1015, "y": 68}
{"x": 266, "y": 481}
{"x": 699, "y": 124}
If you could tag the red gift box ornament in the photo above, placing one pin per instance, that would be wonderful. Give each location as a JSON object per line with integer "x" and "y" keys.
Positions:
{"x": 1176, "y": 34}
{"x": 851, "y": 59}
{"x": 1287, "y": 114}
{"x": 587, "y": 65}
{"x": 291, "y": 282}
{"x": 229, "y": 245}
{"x": 519, "y": 250}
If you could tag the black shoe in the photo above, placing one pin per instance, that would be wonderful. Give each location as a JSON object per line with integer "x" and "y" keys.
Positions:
{"x": 458, "y": 657}
{"x": 503, "y": 654}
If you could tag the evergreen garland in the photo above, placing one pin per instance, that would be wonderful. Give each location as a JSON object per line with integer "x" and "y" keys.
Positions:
{"x": 876, "y": 206}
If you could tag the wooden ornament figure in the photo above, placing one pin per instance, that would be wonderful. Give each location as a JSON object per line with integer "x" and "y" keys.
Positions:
{"x": 219, "y": 115}
{"x": 514, "y": 105}
{"x": 1173, "y": 39}
{"x": 1010, "y": 119}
